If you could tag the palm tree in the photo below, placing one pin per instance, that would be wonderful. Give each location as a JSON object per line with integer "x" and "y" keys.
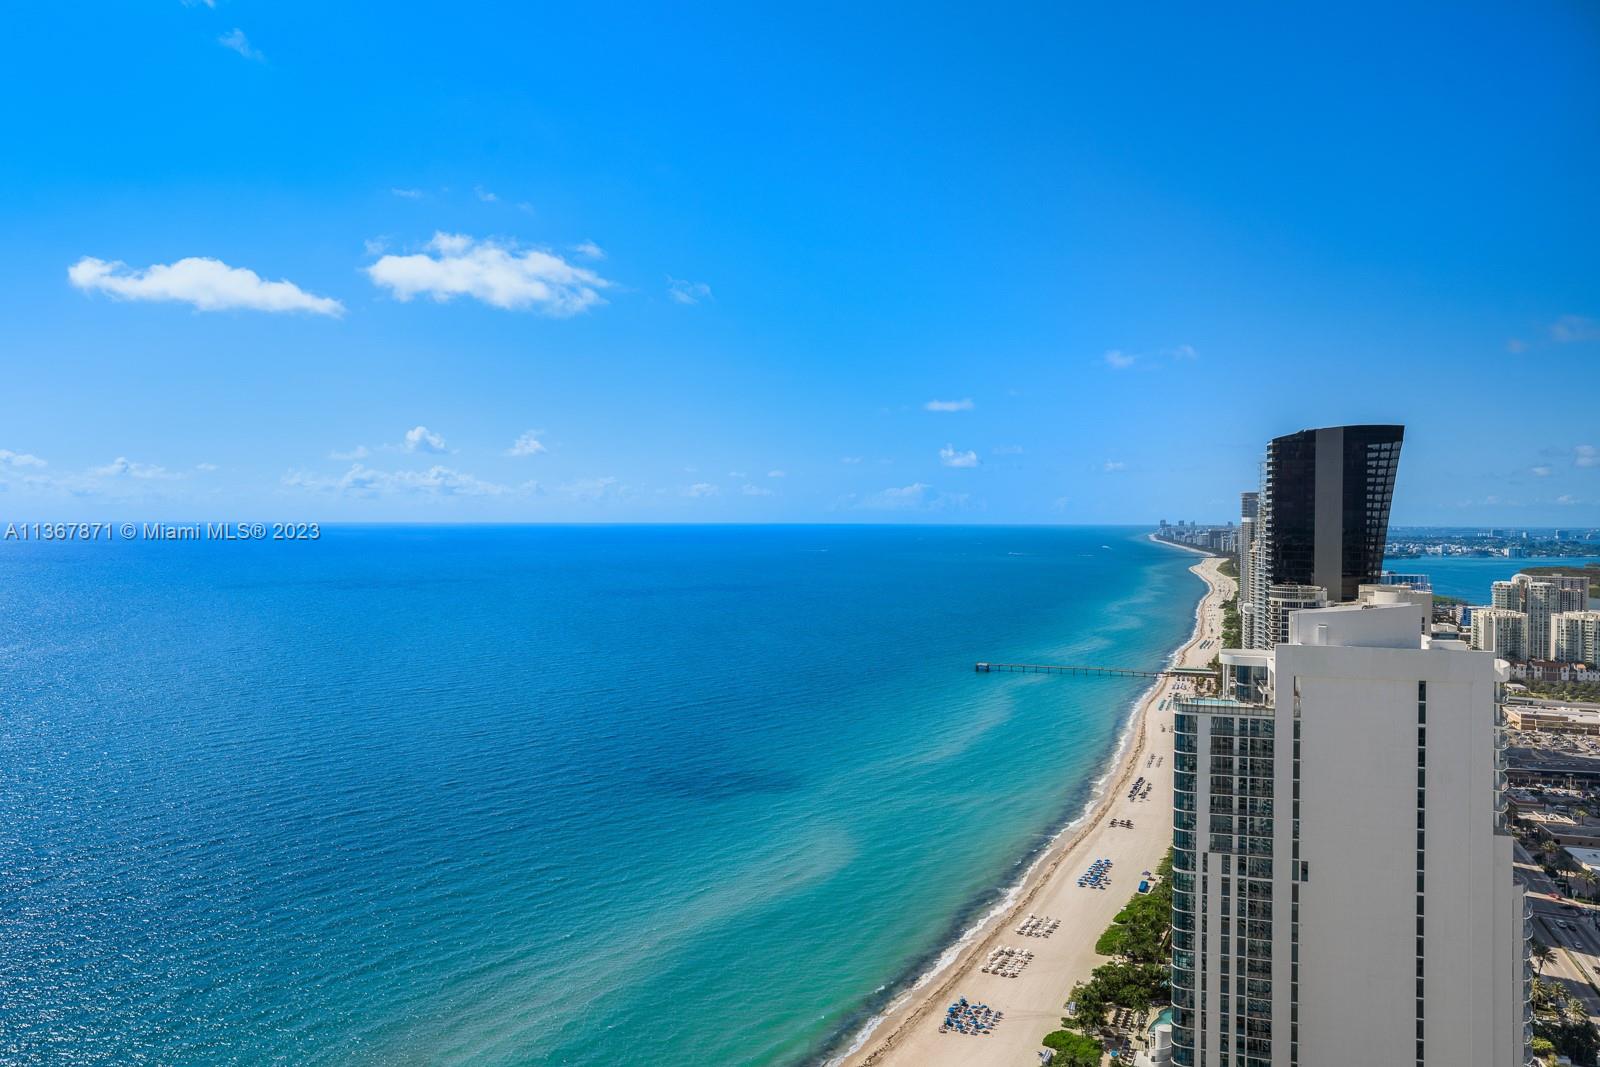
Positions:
{"x": 1589, "y": 880}
{"x": 1542, "y": 954}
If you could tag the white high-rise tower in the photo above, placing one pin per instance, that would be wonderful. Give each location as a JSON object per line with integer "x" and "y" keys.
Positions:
{"x": 1343, "y": 889}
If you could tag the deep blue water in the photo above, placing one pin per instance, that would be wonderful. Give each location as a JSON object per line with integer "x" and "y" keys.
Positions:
{"x": 535, "y": 794}
{"x": 1469, "y": 577}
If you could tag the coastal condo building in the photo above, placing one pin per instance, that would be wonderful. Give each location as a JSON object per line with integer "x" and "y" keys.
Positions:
{"x": 1530, "y": 618}
{"x": 1577, "y": 637}
{"x": 1501, "y": 631}
{"x": 1343, "y": 889}
{"x": 1319, "y": 523}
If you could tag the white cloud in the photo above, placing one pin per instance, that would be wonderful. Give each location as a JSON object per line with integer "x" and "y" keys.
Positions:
{"x": 527, "y": 445}
{"x": 358, "y": 452}
{"x": 1182, "y": 352}
{"x": 123, "y": 467}
{"x": 1566, "y": 498}
{"x": 121, "y": 478}
{"x": 483, "y": 194}
{"x": 496, "y": 274}
{"x": 851, "y": 460}
{"x": 422, "y": 439}
{"x": 686, "y": 292}
{"x": 918, "y": 496}
{"x": 197, "y": 3}
{"x": 964, "y": 404}
{"x": 777, "y": 474}
{"x": 236, "y": 40}
{"x": 589, "y": 250}
{"x": 207, "y": 284}
{"x": 951, "y": 458}
{"x": 407, "y": 194}
{"x": 755, "y": 490}
{"x": 1586, "y": 456}
{"x": 1575, "y": 328}
{"x": 914, "y": 495}
{"x": 1113, "y": 465}
{"x": 361, "y": 480}
{"x": 1541, "y": 471}
{"x": 701, "y": 489}
{"x": 1118, "y": 359}
{"x": 1008, "y": 450}
{"x": 590, "y": 490}
{"x": 9, "y": 458}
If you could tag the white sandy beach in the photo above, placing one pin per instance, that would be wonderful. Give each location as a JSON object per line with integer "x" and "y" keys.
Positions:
{"x": 1034, "y": 1002}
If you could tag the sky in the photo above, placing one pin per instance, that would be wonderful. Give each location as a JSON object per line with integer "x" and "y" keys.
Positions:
{"x": 827, "y": 263}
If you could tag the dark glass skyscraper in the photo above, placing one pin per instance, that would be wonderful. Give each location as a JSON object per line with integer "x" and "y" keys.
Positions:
{"x": 1326, "y": 499}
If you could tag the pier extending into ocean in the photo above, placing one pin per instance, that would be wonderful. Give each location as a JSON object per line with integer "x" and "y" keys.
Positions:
{"x": 1194, "y": 673}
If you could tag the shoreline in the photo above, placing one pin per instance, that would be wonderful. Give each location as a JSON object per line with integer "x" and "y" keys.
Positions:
{"x": 904, "y": 1031}
{"x": 1187, "y": 548}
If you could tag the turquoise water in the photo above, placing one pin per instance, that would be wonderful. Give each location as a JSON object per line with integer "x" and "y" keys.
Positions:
{"x": 564, "y": 795}
{"x": 1469, "y": 577}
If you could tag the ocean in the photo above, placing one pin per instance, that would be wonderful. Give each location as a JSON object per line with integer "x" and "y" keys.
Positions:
{"x": 535, "y": 795}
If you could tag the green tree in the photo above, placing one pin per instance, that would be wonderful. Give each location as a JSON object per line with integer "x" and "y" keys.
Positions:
{"x": 1560, "y": 1018}
{"x": 1073, "y": 1049}
{"x": 1542, "y": 954}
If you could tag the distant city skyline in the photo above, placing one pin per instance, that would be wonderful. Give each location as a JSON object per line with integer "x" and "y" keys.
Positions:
{"x": 282, "y": 262}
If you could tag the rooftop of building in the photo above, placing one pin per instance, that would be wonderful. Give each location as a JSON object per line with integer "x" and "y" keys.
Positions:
{"x": 1587, "y": 715}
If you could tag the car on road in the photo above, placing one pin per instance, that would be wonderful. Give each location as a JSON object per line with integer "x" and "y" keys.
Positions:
{"x": 1563, "y": 924}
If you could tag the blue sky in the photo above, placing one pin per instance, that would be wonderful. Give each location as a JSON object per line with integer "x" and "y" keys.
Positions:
{"x": 822, "y": 264}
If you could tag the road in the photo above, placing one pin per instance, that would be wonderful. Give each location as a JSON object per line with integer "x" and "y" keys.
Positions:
{"x": 1577, "y": 943}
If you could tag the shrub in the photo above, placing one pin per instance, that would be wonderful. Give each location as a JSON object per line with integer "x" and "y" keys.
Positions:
{"x": 1073, "y": 1049}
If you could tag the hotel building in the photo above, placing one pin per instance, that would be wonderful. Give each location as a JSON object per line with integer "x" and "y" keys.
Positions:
{"x": 1343, "y": 889}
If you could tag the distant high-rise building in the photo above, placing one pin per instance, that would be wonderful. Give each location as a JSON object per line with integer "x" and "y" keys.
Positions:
{"x": 1502, "y": 631}
{"x": 1342, "y": 872}
{"x": 1247, "y": 604}
{"x": 1249, "y": 507}
{"x": 1322, "y": 518}
{"x": 1577, "y": 636}
{"x": 1329, "y": 492}
{"x": 1541, "y": 597}
{"x": 1283, "y": 599}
